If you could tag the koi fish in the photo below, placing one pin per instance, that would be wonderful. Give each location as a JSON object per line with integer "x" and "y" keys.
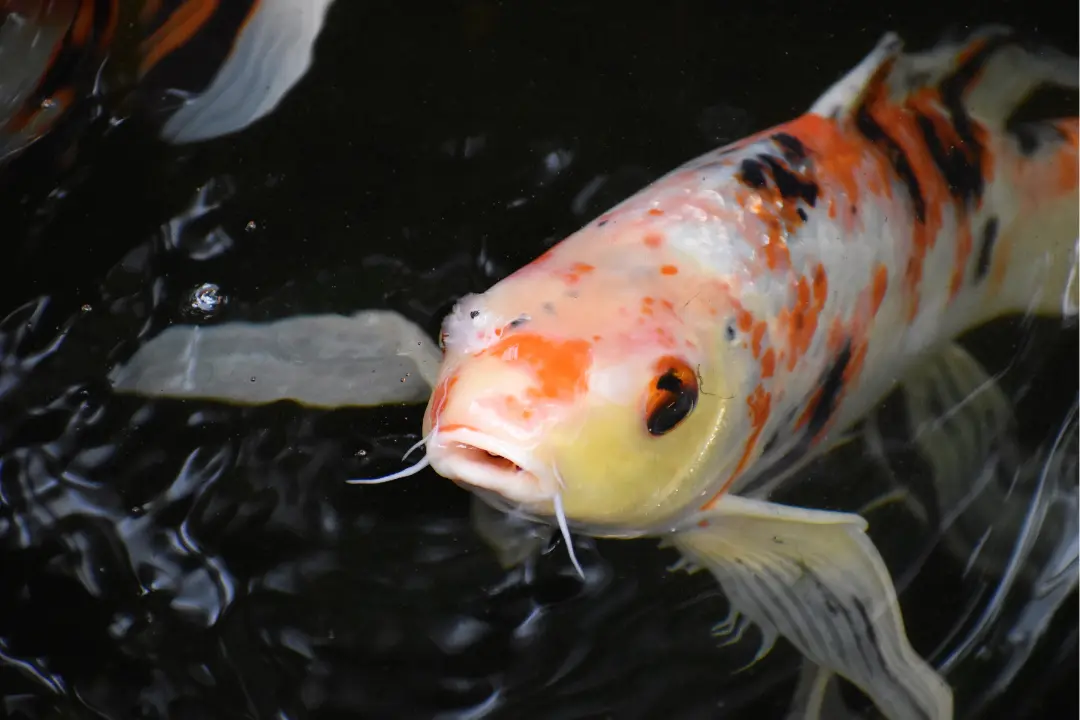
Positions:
{"x": 213, "y": 58}
{"x": 735, "y": 317}
{"x": 658, "y": 372}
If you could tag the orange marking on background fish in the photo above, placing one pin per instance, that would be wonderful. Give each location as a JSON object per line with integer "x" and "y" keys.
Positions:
{"x": 84, "y": 23}
{"x": 149, "y": 11}
{"x": 255, "y": 7}
{"x": 669, "y": 270}
{"x": 110, "y": 25}
{"x": 652, "y": 240}
{"x": 656, "y": 211}
{"x": 175, "y": 32}
{"x": 559, "y": 366}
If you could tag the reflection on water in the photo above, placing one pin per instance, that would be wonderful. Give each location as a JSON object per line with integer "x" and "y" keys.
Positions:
{"x": 167, "y": 558}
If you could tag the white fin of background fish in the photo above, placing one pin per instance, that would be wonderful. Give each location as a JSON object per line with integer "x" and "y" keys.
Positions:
{"x": 373, "y": 357}
{"x": 274, "y": 50}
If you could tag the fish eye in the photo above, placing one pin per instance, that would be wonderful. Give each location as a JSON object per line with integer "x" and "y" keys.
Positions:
{"x": 672, "y": 396}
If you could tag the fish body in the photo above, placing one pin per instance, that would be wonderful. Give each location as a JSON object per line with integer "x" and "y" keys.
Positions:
{"x": 652, "y": 371}
{"x": 791, "y": 278}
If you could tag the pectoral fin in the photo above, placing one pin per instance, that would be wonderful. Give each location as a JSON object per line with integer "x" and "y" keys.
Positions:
{"x": 512, "y": 539}
{"x": 374, "y": 357}
{"x": 816, "y": 578}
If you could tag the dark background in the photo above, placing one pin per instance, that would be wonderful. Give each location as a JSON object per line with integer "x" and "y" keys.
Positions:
{"x": 180, "y": 559}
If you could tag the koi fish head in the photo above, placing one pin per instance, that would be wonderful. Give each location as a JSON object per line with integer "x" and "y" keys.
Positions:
{"x": 596, "y": 391}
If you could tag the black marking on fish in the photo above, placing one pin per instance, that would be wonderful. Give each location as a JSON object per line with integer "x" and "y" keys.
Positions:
{"x": 836, "y": 609}
{"x": 794, "y": 150}
{"x": 752, "y": 174}
{"x": 1031, "y": 136}
{"x": 831, "y": 385}
{"x": 601, "y": 223}
{"x": 964, "y": 177}
{"x": 986, "y": 248}
{"x": 802, "y": 214}
{"x": 872, "y": 131}
{"x": 473, "y": 314}
{"x": 802, "y": 625}
{"x": 790, "y": 185}
{"x": 1027, "y": 139}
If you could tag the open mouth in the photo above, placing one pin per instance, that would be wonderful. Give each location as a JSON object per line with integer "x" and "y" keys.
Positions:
{"x": 471, "y": 458}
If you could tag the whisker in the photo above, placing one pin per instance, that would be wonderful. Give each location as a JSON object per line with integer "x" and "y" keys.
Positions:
{"x": 420, "y": 443}
{"x": 560, "y": 518}
{"x": 411, "y": 470}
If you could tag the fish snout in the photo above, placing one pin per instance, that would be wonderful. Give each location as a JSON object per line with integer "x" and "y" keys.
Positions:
{"x": 476, "y": 459}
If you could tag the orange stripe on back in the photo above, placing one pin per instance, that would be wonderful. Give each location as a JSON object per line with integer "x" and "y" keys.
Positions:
{"x": 175, "y": 32}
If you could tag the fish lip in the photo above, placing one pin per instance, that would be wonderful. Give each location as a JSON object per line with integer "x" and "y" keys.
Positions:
{"x": 530, "y": 484}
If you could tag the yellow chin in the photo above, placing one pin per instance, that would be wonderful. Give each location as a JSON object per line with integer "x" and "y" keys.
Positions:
{"x": 616, "y": 474}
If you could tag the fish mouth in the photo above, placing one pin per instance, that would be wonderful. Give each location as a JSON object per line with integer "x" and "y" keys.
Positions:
{"x": 475, "y": 459}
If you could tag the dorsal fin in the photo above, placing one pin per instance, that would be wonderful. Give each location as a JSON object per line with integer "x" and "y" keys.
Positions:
{"x": 990, "y": 72}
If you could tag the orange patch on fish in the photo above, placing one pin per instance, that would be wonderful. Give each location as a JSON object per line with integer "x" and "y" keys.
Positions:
{"x": 744, "y": 320}
{"x": 879, "y": 286}
{"x": 758, "y": 404}
{"x": 768, "y": 364}
{"x": 576, "y": 271}
{"x": 845, "y": 165}
{"x": 84, "y": 23}
{"x": 440, "y": 396}
{"x": 560, "y": 367}
{"x": 963, "y": 253}
{"x": 756, "y": 337}
{"x": 669, "y": 270}
{"x": 175, "y": 32}
{"x": 652, "y": 240}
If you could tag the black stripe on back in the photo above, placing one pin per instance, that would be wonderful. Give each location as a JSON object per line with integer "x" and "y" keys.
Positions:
{"x": 986, "y": 248}
{"x": 901, "y": 165}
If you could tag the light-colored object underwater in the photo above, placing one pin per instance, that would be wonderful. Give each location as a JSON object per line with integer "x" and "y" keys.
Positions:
{"x": 707, "y": 488}
{"x": 371, "y": 357}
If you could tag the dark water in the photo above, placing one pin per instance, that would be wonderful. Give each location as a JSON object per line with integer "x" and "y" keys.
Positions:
{"x": 179, "y": 559}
